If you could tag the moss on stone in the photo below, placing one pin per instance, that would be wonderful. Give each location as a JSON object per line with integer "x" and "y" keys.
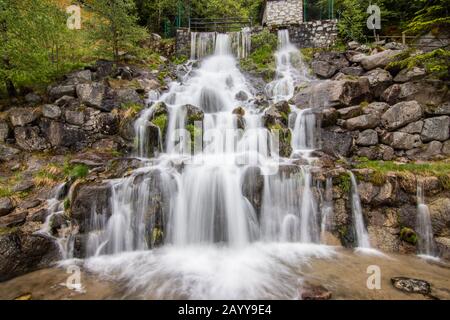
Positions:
{"x": 408, "y": 235}
{"x": 344, "y": 182}
{"x": 161, "y": 122}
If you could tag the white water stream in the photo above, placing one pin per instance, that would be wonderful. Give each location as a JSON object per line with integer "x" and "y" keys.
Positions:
{"x": 217, "y": 243}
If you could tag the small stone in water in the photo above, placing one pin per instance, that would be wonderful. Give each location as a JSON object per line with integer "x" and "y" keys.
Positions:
{"x": 311, "y": 292}
{"x": 411, "y": 285}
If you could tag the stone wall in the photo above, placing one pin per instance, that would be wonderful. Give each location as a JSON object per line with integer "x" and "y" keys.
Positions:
{"x": 183, "y": 42}
{"x": 280, "y": 13}
{"x": 314, "y": 34}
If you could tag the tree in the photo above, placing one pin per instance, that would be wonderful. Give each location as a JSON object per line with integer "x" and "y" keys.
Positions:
{"x": 34, "y": 39}
{"x": 114, "y": 25}
{"x": 434, "y": 16}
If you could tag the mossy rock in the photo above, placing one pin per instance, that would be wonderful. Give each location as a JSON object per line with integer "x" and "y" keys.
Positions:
{"x": 408, "y": 235}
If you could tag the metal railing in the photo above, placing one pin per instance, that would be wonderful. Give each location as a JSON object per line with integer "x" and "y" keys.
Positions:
{"x": 218, "y": 25}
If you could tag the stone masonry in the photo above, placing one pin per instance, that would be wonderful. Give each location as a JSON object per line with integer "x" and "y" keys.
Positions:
{"x": 279, "y": 13}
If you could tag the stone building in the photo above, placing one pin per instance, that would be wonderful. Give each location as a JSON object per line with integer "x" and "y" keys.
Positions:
{"x": 279, "y": 13}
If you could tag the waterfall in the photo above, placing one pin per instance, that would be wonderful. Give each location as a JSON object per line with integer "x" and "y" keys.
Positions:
{"x": 291, "y": 70}
{"x": 327, "y": 209}
{"x": 181, "y": 215}
{"x": 423, "y": 224}
{"x": 358, "y": 220}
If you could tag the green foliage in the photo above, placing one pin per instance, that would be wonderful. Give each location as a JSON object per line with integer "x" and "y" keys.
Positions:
{"x": 436, "y": 62}
{"x": 66, "y": 204}
{"x": 345, "y": 182}
{"x": 161, "y": 122}
{"x": 434, "y": 16}
{"x": 78, "y": 171}
{"x": 36, "y": 45}
{"x": 180, "y": 59}
{"x": 352, "y": 19}
{"x": 408, "y": 235}
{"x": 114, "y": 26}
{"x": 262, "y": 59}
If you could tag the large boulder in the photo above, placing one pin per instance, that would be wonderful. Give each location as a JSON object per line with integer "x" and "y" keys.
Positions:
{"x": 62, "y": 135}
{"x": 440, "y": 216}
{"x": 413, "y": 127}
{"x": 350, "y": 112}
{"x": 401, "y": 140}
{"x": 412, "y": 74}
{"x": 363, "y": 122}
{"x": 323, "y": 69}
{"x": 30, "y": 139}
{"x": 92, "y": 95}
{"x": 379, "y": 60}
{"x": 330, "y": 93}
{"x": 78, "y": 77}
{"x": 431, "y": 93}
{"x": 252, "y": 187}
{"x": 126, "y": 96}
{"x": 22, "y": 253}
{"x": 326, "y": 64}
{"x": 367, "y": 138}
{"x": 23, "y": 116}
{"x": 75, "y": 117}
{"x": 437, "y": 128}
{"x": 401, "y": 114}
{"x": 89, "y": 200}
{"x": 379, "y": 80}
{"x": 337, "y": 143}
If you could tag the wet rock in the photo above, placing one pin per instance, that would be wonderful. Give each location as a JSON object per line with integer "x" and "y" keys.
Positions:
{"x": 386, "y": 195}
{"x": 89, "y": 199}
{"x": 252, "y": 187}
{"x": 440, "y": 216}
{"x": 22, "y": 253}
{"x": 350, "y": 112}
{"x": 7, "y": 153}
{"x": 367, "y": 138}
{"x": 60, "y": 91}
{"x": 33, "y": 98}
{"x": 6, "y": 206}
{"x": 408, "y": 235}
{"x": 30, "y": 139}
{"x": 4, "y": 131}
{"x": 413, "y": 128}
{"x": 92, "y": 95}
{"x": 22, "y": 116}
{"x": 241, "y": 96}
{"x": 51, "y": 111}
{"x": 367, "y": 121}
{"x": 379, "y": 60}
{"x": 379, "y": 80}
{"x": 337, "y": 143}
{"x": 436, "y": 129}
{"x": 411, "y": 285}
{"x": 367, "y": 191}
{"x": 406, "y": 75}
{"x": 313, "y": 292}
{"x": 329, "y": 117}
{"x": 401, "y": 114}
{"x": 401, "y": 140}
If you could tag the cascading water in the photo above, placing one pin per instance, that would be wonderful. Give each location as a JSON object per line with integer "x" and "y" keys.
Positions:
{"x": 423, "y": 224}
{"x": 327, "y": 209}
{"x": 362, "y": 236}
{"x": 195, "y": 205}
